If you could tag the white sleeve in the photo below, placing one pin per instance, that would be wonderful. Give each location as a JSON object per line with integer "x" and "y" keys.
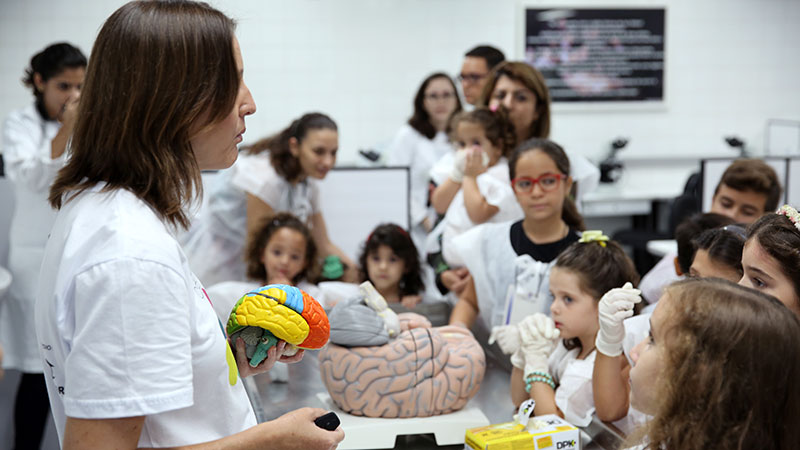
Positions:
{"x": 402, "y": 148}
{"x": 131, "y": 352}
{"x": 313, "y": 187}
{"x": 27, "y": 161}
{"x": 256, "y": 176}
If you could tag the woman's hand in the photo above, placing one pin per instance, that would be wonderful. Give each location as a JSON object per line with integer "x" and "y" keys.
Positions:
{"x": 69, "y": 112}
{"x": 410, "y": 301}
{"x": 474, "y": 164}
{"x": 274, "y": 355}
{"x": 301, "y": 433}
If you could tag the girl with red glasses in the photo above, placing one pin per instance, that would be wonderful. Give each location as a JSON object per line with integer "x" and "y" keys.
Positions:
{"x": 509, "y": 262}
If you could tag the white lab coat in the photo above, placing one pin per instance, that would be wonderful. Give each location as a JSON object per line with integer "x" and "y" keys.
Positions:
{"x": 26, "y": 150}
{"x": 413, "y": 150}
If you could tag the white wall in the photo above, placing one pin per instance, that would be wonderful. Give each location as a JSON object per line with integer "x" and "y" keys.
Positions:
{"x": 731, "y": 64}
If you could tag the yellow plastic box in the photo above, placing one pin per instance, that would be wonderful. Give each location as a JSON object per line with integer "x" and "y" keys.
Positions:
{"x": 553, "y": 433}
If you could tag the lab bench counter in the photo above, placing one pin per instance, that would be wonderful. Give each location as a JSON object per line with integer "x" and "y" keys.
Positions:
{"x": 493, "y": 400}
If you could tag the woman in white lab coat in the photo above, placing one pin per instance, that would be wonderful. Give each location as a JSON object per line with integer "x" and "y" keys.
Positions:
{"x": 34, "y": 147}
{"x": 421, "y": 142}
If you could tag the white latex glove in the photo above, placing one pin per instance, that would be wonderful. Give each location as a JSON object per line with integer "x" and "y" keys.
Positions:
{"x": 615, "y": 306}
{"x": 375, "y": 300}
{"x": 507, "y": 337}
{"x": 538, "y": 337}
{"x": 459, "y": 161}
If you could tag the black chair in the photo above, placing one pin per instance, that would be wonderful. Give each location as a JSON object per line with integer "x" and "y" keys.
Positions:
{"x": 646, "y": 228}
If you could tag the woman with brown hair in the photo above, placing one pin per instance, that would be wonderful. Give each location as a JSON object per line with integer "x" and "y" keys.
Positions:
{"x": 719, "y": 369}
{"x": 520, "y": 89}
{"x": 134, "y": 353}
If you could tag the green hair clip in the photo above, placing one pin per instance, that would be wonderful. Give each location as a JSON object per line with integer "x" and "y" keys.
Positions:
{"x": 593, "y": 236}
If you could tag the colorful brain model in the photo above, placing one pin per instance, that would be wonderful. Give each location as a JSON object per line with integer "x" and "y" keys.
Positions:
{"x": 423, "y": 372}
{"x": 265, "y": 315}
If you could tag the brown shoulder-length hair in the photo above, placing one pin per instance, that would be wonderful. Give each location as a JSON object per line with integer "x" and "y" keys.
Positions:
{"x": 421, "y": 120}
{"x": 158, "y": 70}
{"x": 258, "y": 241}
{"x": 530, "y": 78}
{"x": 569, "y": 211}
{"x": 600, "y": 267}
{"x": 280, "y": 155}
{"x": 730, "y": 370}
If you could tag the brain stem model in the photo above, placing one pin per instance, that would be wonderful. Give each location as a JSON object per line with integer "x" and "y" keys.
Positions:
{"x": 265, "y": 315}
{"x": 418, "y": 372}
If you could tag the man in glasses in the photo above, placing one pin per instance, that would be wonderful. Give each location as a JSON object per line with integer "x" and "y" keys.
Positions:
{"x": 478, "y": 62}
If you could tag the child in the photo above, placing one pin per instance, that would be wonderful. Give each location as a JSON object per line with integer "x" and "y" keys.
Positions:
{"x": 478, "y": 189}
{"x": 719, "y": 370}
{"x": 391, "y": 263}
{"x": 561, "y": 381}
{"x": 718, "y": 253}
{"x": 509, "y": 263}
{"x": 770, "y": 258}
{"x": 281, "y": 251}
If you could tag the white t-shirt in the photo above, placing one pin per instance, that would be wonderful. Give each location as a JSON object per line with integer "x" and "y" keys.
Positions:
{"x": 495, "y": 186}
{"x": 216, "y": 247}
{"x": 26, "y": 152}
{"x": 574, "y": 378}
{"x": 125, "y": 329}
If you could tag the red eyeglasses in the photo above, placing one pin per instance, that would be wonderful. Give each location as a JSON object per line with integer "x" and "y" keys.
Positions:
{"x": 548, "y": 182}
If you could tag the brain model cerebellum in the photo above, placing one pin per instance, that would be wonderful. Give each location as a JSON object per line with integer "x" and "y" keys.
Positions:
{"x": 265, "y": 315}
{"x": 421, "y": 372}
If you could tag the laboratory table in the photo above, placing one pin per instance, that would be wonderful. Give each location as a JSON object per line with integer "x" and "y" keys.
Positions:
{"x": 272, "y": 399}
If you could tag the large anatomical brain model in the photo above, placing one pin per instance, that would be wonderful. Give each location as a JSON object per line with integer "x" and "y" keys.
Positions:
{"x": 421, "y": 372}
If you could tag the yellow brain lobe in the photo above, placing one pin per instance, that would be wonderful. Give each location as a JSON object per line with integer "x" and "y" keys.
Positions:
{"x": 264, "y": 312}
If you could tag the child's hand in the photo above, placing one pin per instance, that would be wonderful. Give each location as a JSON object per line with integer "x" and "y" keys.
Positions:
{"x": 538, "y": 336}
{"x": 615, "y": 306}
{"x": 460, "y": 159}
{"x": 475, "y": 162}
{"x": 410, "y": 301}
{"x": 507, "y": 337}
{"x": 455, "y": 280}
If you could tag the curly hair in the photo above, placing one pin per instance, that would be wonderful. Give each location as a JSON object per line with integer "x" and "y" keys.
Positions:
{"x": 258, "y": 241}
{"x": 398, "y": 239}
{"x": 280, "y": 156}
{"x": 730, "y": 370}
{"x": 599, "y": 268}
{"x": 499, "y": 131}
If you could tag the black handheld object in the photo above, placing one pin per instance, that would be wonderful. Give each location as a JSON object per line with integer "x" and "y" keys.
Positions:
{"x": 328, "y": 421}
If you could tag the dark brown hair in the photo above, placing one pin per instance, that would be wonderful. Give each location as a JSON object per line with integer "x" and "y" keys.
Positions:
{"x": 532, "y": 79}
{"x": 280, "y": 156}
{"x": 258, "y": 241}
{"x": 690, "y": 228}
{"x": 724, "y": 246}
{"x": 498, "y": 130}
{"x": 753, "y": 175}
{"x": 489, "y": 54}
{"x": 779, "y": 237}
{"x": 421, "y": 120}
{"x": 569, "y": 212}
{"x": 600, "y": 267}
{"x": 730, "y": 370}
{"x": 159, "y": 69}
{"x": 401, "y": 244}
{"x": 49, "y": 63}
